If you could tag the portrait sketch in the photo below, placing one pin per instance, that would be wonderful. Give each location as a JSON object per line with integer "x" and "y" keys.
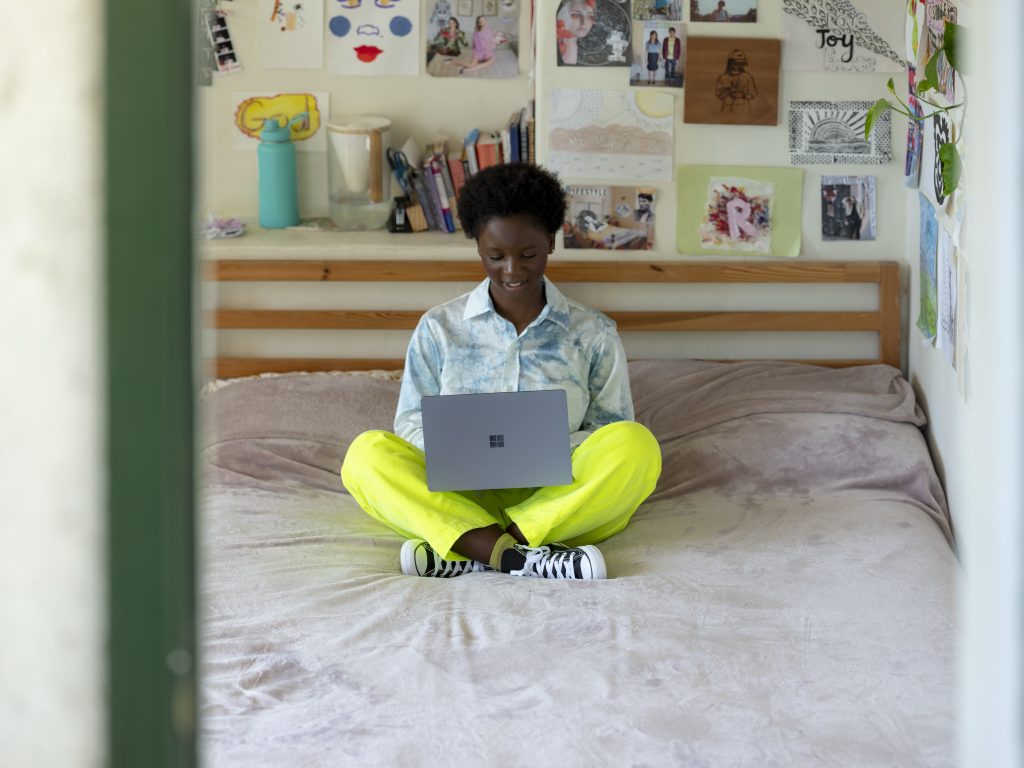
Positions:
{"x": 732, "y": 81}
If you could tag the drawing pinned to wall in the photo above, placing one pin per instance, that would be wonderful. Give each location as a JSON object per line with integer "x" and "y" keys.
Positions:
{"x": 927, "y": 314}
{"x": 938, "y": 130}
{"x": 379, "y": 38}
{"x": 737, "y": 215}
{"x": 251, "y": 110}
{"x": 741, "y": 210}
{"x": 937, "y": 13}
{"x": 732, "y": 81}
{"x": 832, "y": 133}
{"x": 226, "y": 57}
{"x": 915, "y": 134}
{"x": 659, "y": 60}
{"x": 609, "y": 218}
{"x": 742, "y": 11}
{"x": 484, "y": 46}
{"x": 594, "y": 33}
{"x": 843, "y": 35}
{"x": 291, "y": 34}
{"x": 620, "y": 135}
{"x": 848, "y": 210}
{"x": 946, "y": 287}
{"x": 658, "y": 10}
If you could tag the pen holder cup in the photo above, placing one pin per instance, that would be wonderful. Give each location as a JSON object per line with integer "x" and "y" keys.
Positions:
{"x": 359, "y": 184}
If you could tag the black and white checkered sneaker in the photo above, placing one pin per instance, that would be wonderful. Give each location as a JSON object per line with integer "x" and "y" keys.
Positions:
{"x": 419, "y": 559}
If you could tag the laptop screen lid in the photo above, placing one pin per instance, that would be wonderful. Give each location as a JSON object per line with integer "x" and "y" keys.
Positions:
{"x": 496, "y": 440}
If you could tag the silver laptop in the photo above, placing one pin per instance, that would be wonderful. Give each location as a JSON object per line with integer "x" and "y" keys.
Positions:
{"x": 496, "y": 440}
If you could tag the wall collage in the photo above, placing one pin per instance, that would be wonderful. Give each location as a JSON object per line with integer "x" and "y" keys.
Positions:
{"x": 626, "y": 137}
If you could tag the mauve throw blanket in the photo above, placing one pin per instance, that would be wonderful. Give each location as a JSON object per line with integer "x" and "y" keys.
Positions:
{"x": 785, "y": 597}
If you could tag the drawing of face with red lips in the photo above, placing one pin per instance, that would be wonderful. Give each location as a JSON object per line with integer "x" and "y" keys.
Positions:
{"x": 372, "y": 32}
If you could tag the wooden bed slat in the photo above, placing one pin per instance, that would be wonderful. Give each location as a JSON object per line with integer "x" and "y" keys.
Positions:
{"x": 884, "y": 275}
{"x": 305, "y": 319}
{"x": 261, "y": 270}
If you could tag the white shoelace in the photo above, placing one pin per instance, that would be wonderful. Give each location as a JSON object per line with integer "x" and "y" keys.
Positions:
{"x": 541, "y": 562}
{"x": 447, "y": 568}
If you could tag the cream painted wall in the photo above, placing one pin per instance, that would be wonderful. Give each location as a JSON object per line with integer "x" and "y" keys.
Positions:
{"x": 52, "y": 524}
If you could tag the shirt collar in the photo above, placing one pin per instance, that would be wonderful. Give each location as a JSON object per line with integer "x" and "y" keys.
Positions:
{"x": 556, "y": 309}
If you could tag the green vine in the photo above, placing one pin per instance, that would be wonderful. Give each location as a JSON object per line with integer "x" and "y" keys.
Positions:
{"x": 949, "y": 155}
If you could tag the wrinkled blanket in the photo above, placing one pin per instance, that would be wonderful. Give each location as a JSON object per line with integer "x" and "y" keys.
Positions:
{"x": 785, "y": 597}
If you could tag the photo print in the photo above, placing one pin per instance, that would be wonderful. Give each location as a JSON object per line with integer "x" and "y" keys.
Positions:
{"x": 659, "y": 50}
{"x": 848, "y": 210}
{"x": 843, "y": 35}
{"x": 594, "y": 33}
{"x": 616, "y": 135}
{"x": 742, "y": 11}
{"x": 609, "y": 218}
{"x": 378, "y": 38}
{"x": 832, "y": 133}
{"x": 217, "y": 31}
{"x": 484, "y": 46}
{"x": 732, "y": 81}
{"x": 739, "y": 210}
{"x": 658, "y": 10}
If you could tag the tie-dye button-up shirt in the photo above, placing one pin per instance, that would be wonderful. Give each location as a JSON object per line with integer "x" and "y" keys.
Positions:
{"x": 464, "y": 346}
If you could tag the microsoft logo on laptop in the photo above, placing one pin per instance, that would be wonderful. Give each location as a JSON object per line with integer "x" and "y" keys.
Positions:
{"x": 497, "y": 441}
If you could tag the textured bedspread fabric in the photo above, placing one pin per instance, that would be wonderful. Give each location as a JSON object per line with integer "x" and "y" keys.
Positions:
{"x": 784, "y": 598}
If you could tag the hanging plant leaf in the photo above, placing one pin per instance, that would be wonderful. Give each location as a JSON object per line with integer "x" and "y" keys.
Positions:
{"x": 876, "y": 109}
{"x": 949, "y": 159}
{"x": 953, "y": 45}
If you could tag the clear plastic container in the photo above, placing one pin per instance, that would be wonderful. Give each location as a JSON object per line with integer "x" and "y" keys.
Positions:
{"x": 359, "y": 182}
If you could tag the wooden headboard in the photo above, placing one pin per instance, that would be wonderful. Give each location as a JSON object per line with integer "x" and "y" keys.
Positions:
{"x": 885, "y": 321}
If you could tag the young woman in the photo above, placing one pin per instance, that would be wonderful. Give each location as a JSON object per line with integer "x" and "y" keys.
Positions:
{"x": 450, "y": 41}
{"x": 484, "y": 46}
{"x": 574, "y": 20}
{"x": 514, "y": 331}
{"x": 653, "y": 49}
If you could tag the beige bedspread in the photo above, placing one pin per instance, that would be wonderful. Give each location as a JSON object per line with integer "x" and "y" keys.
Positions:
{"x": 784, "y": 598}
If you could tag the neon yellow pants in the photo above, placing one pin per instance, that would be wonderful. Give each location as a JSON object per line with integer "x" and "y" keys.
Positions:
{"x": 613, "y": 471}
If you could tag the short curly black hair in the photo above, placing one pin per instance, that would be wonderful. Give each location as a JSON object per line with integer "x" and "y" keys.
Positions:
{"x": 514, "y": 189}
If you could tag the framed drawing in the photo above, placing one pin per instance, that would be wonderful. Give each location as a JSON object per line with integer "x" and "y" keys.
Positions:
{"x": 732, "y": 80}
{"x": 739, "y": 210}
{"x": 832, "y": 133}
{"x": 488, "y": 7}
{"x": 464, "y": 8}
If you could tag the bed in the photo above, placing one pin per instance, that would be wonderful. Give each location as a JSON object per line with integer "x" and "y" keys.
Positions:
{"x": 785, "y": 597}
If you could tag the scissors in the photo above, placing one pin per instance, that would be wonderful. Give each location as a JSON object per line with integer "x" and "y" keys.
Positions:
{"x": 400, "y": 168}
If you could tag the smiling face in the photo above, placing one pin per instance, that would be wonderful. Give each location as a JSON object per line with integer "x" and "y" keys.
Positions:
{"x": 370, "y": 33}
{"x": 514, "y": 251}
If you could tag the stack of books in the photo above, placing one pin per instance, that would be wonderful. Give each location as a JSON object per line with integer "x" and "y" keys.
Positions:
{"x": 437, "y": 184}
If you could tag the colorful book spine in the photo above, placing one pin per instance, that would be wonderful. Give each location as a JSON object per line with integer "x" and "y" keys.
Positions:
{"x": 440, "y": 195}
{"x": 470, "y": 147}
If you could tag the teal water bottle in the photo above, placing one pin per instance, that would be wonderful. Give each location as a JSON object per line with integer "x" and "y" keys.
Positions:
{"x": 279, "y": 198}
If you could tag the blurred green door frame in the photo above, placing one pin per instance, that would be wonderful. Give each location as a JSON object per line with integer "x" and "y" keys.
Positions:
{"x": 149, "y": 283}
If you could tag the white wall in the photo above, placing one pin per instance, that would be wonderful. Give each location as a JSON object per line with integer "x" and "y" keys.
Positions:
{"x": 52, "y": 656}
{"x": 989, "y": 459}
